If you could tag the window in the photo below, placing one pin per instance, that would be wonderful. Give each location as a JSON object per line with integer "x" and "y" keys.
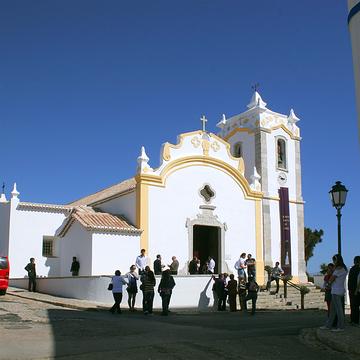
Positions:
{"x": 237, "y": 150}
{"x": 48, "y": 247}
{"x": 281, "y": 154}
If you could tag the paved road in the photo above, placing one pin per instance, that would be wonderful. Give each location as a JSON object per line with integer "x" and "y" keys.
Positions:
{"x": 34, "y": 330}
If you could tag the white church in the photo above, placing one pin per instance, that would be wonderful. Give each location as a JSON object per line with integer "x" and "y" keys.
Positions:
{"x": 211, "y": 195}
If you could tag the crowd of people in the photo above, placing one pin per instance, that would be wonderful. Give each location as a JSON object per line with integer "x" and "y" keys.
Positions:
{"x": 334, "y": 288}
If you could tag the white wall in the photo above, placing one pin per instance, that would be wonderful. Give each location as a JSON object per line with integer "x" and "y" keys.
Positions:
{"x": 113, "y": 252}
{"x": 169, "y": 208}
{"x": 190, "y": 291}
{"x": 123, "y": 205}
{"x": 4, "y": 228}
{"x": 76, "y": 242}
{"x": 27, "y": 228}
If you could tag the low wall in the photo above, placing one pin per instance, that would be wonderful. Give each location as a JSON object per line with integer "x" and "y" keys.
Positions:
{"x": 190, "y": 291}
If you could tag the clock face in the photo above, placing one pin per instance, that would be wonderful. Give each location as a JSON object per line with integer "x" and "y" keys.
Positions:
{"x": 282, "y": 178}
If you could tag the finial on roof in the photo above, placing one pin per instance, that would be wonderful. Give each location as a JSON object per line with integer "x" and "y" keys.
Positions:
{"x": 203, "y": 119}
{"x": 142, "y": 161}
{"x": 221, "y": 124}
{"x": 255, "y": 180}
{"x": 256, "y": 101}
{"x": 14, "y": 193}
{"x": 292, "y": 118}
{"x": 2, "y": 196}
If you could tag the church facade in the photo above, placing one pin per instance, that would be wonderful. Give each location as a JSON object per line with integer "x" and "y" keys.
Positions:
{"x": 212, "y": 195}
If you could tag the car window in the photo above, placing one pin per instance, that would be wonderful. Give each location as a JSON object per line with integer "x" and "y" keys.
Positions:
{"x": 3, "y": 263}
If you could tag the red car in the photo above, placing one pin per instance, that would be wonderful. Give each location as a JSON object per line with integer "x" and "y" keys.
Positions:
{"x": 4, "y": 274}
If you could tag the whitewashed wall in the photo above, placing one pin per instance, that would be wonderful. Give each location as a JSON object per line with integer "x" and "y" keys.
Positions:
{"x": 27, "y": 228}
{"x": 123, "y": 205}
{"x": 189, "y": 292}
{"x": 169, "y": 208}
{"x": 76, "y": 242}
{"x": 113, "y": 252}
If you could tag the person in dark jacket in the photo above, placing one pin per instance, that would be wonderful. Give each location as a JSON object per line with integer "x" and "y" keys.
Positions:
{"x": 252, "y": 288}
{"x": 148, "y": 283}
{"x": 354, "y": 297}
{"x": 31, "y": 270}
{"x": 165, "y": 288}
{"x": 232, "y": 292}
{"x": 157, "y": 265}
{"x": 219, "y": 288}
{"x": 193, "y": 266}
{"x": 75, "y": 267}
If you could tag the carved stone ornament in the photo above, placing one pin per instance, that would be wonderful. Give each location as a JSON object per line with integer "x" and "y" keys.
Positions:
{"x": 195, "y": 141}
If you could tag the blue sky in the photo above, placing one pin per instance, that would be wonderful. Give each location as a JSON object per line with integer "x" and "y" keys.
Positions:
{"x": 84, "y": 84}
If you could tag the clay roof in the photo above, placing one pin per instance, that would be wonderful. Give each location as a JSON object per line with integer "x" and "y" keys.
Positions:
{"x": 106, "y": 194}
{"x": 94, "y": 220}
{"x": 45, "y": 207}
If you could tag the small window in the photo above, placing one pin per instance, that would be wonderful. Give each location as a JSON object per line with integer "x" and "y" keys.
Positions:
{"x": 48, "y": 247}
{"x": 237, "y": 150}
{"x": 281, "y": 154}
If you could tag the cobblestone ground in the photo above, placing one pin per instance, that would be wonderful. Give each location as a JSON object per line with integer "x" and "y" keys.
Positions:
{"x": 34, "y": 330}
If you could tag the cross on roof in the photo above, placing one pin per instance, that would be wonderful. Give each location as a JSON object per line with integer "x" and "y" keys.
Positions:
{"x": 255, "y": 87}
{"x": 203, "y": 119}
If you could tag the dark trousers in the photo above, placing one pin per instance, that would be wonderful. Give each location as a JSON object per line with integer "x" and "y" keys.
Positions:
{"x": 232, "y": 302}
{"x": 32, "y": 284}
{"x": 268, "y": 285}
{"x": 116, "y": 306}
{"x": 251, "y": 274}
{"x": 253, "y": 297}
{"x": 222, "y": 302}
{"x": 242, "y": 296}
{"x": 148, "y": 299}
{"x": 354, "y": 306}
{"x": 165, "y": 298}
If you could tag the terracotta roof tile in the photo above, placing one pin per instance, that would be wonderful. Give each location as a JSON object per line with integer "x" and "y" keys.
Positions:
{"x": 96, "y": 220}
{"x": 106, "y": 194}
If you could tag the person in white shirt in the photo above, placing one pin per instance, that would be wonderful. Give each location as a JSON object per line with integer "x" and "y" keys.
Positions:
{"x": 240, "y": 266}
{"x": 337, "y": 281}
{"x": 141, "y": 262}
{"x": 210, "y": 265}
{"x": 117, "y": 282}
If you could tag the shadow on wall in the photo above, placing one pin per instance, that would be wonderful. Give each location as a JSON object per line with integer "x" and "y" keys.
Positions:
{"x": 53, "y": 265}
{"x": 204, "y": 300}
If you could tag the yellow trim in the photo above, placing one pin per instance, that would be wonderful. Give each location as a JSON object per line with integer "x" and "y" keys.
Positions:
{"x": 142, "y": 213}
{"x": 233, "y": 132}
{"x": 252, "y": 132}
{"x": 160, "y": 180}
{"x": 260, "y": 274}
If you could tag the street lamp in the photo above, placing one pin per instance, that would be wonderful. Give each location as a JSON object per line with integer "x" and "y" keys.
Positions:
{"x": 338, "y": 197}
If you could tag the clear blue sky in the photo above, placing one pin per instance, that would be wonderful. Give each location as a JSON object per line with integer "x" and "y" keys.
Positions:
{"x": 83, "y": 84}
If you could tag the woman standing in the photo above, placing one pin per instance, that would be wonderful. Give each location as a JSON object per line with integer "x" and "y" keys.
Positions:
{"x": 232, "y": 292}
{"x": 337, "y": 281}
{"x": 166, "y": 285}
{"x": 117, "y": 282}
{"x": 132, "y": 289}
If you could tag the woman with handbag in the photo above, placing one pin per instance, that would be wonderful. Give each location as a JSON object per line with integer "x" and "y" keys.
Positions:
{"x": 132, "y": 289}
{"x": 116, "y": 286}
{"x": 166, "y": 285}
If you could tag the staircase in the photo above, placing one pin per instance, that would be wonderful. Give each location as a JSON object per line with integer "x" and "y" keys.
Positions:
{"x": 270, "y": 301}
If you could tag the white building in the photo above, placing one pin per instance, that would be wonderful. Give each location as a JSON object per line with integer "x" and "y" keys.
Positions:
{"x": 354, "y": 28}
{"x": 212, "y": 195}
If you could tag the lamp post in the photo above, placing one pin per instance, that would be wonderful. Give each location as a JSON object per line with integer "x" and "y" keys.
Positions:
{"x": 338, "y": 198}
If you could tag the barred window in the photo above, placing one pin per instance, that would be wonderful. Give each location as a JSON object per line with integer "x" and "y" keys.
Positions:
{"x": 237, "y": 150}
{"x": 48, "y": 247}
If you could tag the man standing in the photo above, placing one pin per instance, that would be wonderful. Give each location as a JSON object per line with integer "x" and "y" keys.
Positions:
{"x": 250, "y": 264}
{"x": 193, "y": 266}
{"x": 31, "y": 270}
{"x": 157, "y": 265}
{"x": 75, "y": 267}
{"x": 240, "y": 266}
{"x": 354, "y": 297}
{"x": 276, "y": 273}
{"x": 174, "y": 266}
{"x": 140, "y": 262}
{"x": 210, "y": 265}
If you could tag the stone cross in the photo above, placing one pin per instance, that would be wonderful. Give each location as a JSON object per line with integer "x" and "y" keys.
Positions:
{"x": 203, "y": 119}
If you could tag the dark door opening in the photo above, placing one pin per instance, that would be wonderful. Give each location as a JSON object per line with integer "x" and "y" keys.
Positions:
{"x": 206, "y": 242}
